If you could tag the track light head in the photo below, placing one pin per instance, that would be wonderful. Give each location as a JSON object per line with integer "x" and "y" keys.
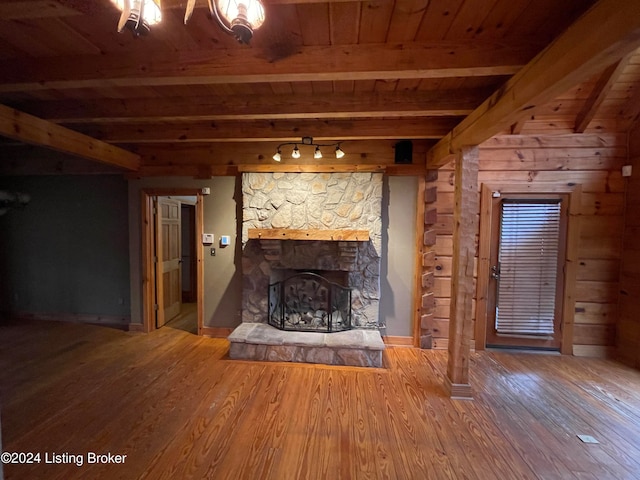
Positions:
{"x": 317, "y": 153}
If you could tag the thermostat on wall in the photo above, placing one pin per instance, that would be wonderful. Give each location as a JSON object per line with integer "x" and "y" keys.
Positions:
{"x": 207, "y": 238}
{"x": 225, "y": 240}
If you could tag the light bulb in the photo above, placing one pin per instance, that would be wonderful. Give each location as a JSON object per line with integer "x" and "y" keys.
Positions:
{"x": 317, "y": 153}
{"x": 276, "y": 156}
{"x": 295, "y": 153}
{"x": 339, "y": 153}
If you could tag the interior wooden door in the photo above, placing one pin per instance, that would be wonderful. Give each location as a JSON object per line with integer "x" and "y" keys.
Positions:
{"x": 528, "y": 244}
{"x": 168, "y": 265}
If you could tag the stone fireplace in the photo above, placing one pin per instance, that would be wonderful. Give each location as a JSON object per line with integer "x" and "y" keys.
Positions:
{"x": 327, "y": 223}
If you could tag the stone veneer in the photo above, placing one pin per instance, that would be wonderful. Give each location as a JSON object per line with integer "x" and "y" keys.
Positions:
{"x": 259, "y": 341}
{"x": 313, "y": 201}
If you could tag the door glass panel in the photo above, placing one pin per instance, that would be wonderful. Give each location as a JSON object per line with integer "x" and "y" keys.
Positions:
{"x": 527, "y": 267}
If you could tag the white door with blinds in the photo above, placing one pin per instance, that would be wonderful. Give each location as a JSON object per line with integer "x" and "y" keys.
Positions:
{"x": 526, "y": 272}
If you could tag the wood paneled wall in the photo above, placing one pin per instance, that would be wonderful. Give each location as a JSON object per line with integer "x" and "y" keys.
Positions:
{"x": 628, "y": 331}
{"x": 591, "y": 160}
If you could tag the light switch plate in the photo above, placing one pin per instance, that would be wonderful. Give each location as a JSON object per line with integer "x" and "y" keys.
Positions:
{"x": 207, "y": 238}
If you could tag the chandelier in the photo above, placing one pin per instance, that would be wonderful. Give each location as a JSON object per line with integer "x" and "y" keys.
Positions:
{"x": 138, "y": 15}
{"x": 238, "y": 18}
{"x": 317, "y": 153}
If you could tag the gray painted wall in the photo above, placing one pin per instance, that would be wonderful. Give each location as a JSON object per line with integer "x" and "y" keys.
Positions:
{"x": 222, "y": 273}
{"x": 67, "y": 250}
{"x": 398, "y": 254}
{"x": 76, "y": 248}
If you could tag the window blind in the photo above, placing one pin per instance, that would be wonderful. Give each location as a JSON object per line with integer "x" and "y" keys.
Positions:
{"x": 528, "y": 263}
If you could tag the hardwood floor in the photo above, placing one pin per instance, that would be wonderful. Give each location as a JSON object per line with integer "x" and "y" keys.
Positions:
{"x": 178, "y": 408}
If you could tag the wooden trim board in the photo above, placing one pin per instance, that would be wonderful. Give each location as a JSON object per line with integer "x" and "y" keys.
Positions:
{"x": 215, "y": 332}
{"x": 294, "y": 234}
{"x": 571, "y": 255}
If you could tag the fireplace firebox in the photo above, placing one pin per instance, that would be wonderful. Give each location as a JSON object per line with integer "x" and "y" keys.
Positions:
{"x": 309, "y": 302}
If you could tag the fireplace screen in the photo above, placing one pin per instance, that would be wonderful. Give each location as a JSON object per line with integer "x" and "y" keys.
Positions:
{"x": 309, "y": 302}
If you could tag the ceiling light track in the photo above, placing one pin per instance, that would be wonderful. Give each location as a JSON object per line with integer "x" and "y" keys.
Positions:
{"x": 317, "y": 153}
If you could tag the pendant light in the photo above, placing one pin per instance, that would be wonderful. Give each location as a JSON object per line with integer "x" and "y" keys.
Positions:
{"x": 238, "y": 17}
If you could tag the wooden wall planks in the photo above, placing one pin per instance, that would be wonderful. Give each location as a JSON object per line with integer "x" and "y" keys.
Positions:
{"x": 553, "y": 162}
{"x": 628, "y": 325}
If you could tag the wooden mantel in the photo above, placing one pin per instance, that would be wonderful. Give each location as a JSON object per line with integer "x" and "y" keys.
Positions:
{"x": 309, "y": 234}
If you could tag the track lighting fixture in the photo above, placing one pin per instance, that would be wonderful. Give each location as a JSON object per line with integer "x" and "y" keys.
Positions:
{"x": 317, "y": 153}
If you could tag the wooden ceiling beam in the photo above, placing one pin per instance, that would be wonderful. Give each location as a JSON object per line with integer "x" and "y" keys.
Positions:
{"x": 27, "y": 9}
{"x": 29, "y": 129}
{"x": 606, "y": 33}
{"x": 356, "y": 151}
{"x": 255, "y": 107}
{"x": 173, "y": 4}
{"x": 23, "y": 9}
{"x": 205, "y": 160}
{"x": 271, "y": 130}
{"x": 241, "y": 65}
{"x": 600, "y": 91}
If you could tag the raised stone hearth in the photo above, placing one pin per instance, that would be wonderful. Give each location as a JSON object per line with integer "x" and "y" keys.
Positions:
{"x": 259, "y": 341}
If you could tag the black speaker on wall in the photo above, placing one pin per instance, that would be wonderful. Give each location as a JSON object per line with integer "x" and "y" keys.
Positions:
{"x": 404, "y": 151}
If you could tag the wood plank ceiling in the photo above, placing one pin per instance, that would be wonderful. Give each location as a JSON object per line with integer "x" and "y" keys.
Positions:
{"x": 190, "y": 100}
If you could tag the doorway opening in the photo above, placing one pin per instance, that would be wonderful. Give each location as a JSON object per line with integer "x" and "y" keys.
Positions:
{"x": 172, "y": 264}
{"x": 527, "y": 250}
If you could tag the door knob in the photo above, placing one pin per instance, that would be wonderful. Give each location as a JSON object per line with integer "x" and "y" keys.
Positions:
{"x": 495, "y": 272}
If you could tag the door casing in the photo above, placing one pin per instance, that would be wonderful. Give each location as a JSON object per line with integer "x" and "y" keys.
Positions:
{"x": 149, "y": 283}
{"x": 570, "y": 264}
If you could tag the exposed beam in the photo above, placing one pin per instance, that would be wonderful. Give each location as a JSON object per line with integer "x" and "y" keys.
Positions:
{"x": 254, "y": 107}
{"x": 602, "y": 36}
{"x": 171, "y": 4}
{"x": 26, "y": 9}
{"x": 599, "y": 94}
{"x": 271, "y": 130}
{"x": 238, "y": 65}
{"x": 21, "y": 10}
{"x": 357, "y": 152}
{"x": 29, "y": 129}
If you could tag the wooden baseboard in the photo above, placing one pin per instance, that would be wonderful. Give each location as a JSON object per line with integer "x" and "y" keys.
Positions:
{"x": 106, "y": 320}
{"x": 595, "y": 351}
{"x": 440, "y": 343}
{"x": 458, "y": 391}
{"x": 135, "y": 327}
{"x": 216, "y": 332}
{"x": 397, "y": 341}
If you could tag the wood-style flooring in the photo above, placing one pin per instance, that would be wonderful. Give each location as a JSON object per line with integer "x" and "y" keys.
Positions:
{"x": 178, "y": 408}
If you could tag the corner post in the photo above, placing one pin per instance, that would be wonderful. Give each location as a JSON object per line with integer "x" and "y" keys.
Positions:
{"x": 465, "y": 229}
